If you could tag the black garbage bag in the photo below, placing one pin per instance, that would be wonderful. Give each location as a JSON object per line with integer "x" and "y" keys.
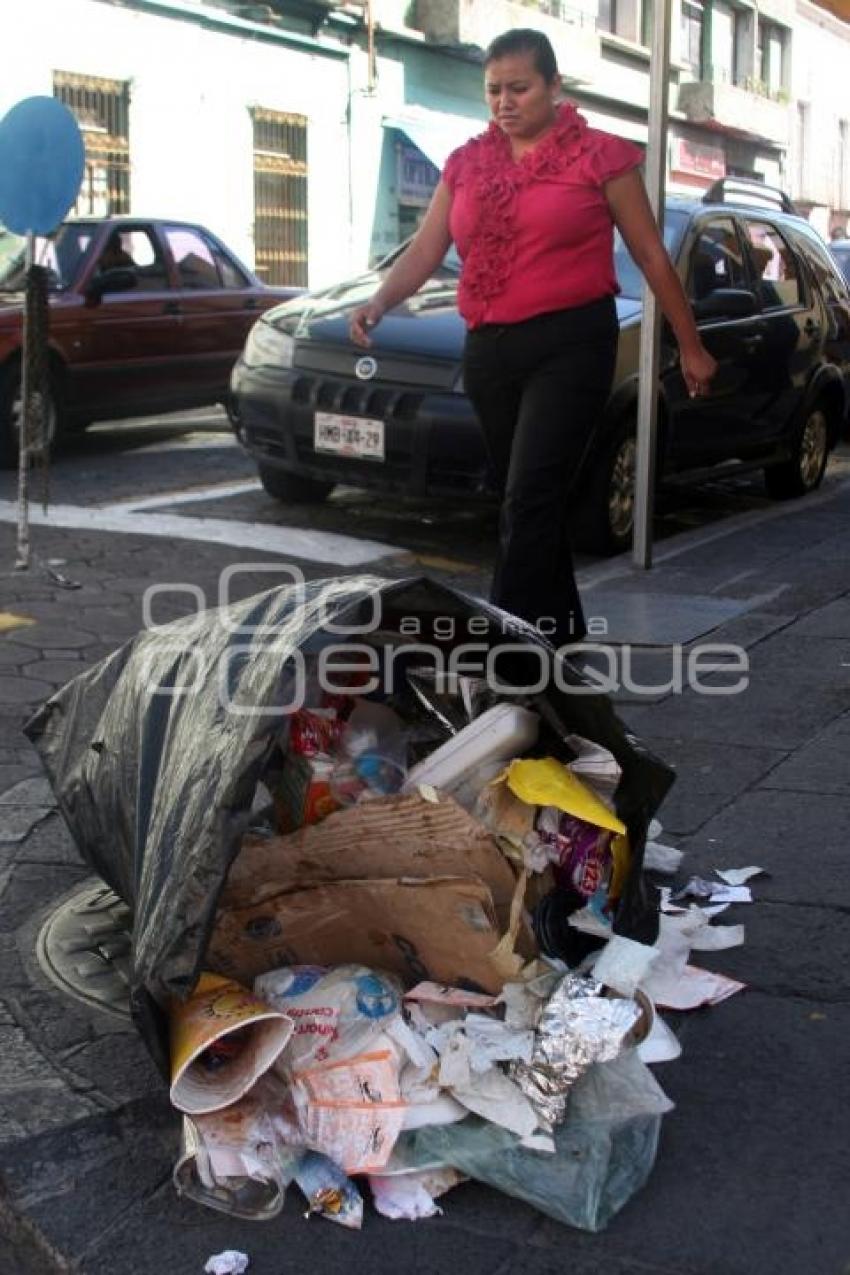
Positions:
{"x": 155, "y": 753}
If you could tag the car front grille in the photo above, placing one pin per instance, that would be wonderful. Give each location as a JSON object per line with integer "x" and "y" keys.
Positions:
{"x": 325, "y": 394}
{"x": 417, "y": 457}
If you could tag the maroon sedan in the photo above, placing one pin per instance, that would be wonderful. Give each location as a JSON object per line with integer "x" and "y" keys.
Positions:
{"x": 145, "y": 317}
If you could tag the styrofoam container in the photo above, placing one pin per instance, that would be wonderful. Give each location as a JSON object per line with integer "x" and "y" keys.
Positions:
{"x": 497, "y": 736}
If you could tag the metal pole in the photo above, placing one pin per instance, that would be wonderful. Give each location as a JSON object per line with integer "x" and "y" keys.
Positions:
{"x": 372, "y": 69}
{"x": 656, "y": 169}
{"x": 22, "y": 561}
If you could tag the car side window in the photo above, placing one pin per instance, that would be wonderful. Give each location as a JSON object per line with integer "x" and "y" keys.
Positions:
{"x": 716, "y": 259}
{"x": 148, "y": 260}
{"x": 842, "y": 256}
{"x": 229, "y": 273}
{"x": 820, "y": 263}
{"x": 774, "y": 266}
{"x": 196, "y": 267}
{"x": 134, "y": 248}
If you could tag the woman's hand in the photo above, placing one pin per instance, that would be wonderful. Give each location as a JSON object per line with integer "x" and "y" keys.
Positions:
{"x": 363, "y": 319}
{"x": 698, "y": 368}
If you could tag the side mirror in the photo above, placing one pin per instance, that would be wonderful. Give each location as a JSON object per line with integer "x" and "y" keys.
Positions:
{"x": 726, "y": 303}
{"x": 120, "y": 279}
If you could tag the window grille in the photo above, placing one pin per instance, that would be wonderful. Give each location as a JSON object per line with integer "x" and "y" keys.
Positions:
{"x": 280, "y": 197}
{"x": 102, "y": 110}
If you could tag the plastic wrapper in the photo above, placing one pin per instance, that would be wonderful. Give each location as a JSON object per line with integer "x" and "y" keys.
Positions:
{"x": 577, "y": 1028}
{"x": 338, "y": 1013}
{"x": 604, "y": 1151}
{"x": 342, "y": 1067}
{"x": 582, "y": 851}
{"x": 371, "y": 754}
{"x": 154, "y": 754}
{"x": 329, "y": 1192}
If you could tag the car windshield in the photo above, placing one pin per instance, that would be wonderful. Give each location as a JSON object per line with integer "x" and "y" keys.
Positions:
{"x": 630, "y": 278}
{"x": 628, "y": 275}
{"x": 451, "y": 261}
{"x": 62, "y": 253}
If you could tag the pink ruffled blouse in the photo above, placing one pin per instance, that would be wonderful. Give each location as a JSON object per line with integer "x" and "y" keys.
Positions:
{"x": 535, "y": 234}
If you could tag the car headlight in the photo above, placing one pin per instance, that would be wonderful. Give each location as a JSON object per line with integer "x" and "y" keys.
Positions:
{"x": 266, "y": 346}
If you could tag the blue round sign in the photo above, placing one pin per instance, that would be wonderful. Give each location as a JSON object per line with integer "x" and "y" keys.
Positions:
{"x": 41, "y": 165}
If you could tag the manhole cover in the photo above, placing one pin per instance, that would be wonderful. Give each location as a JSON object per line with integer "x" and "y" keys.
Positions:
{"x": 84, "y": 948}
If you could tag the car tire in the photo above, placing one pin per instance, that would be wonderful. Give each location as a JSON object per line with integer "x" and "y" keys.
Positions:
{"x": 604, "y": 519}
{"x": 292, "y": 488}
{"x": 804, "y": 471}
{"x": 10, "y": 416}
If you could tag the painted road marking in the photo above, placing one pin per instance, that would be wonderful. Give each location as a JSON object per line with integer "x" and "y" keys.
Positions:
{"x": 285, "y": 542}
{"x": 188, "y": 496}
{"x": 9, "y": 621}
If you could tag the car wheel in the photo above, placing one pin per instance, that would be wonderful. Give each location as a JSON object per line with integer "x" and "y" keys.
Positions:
{"x": 293, "y": 488}
{"x": 11, "y": 417}
{"x": 805, "y": 469}
{"x": 605, "y": 517}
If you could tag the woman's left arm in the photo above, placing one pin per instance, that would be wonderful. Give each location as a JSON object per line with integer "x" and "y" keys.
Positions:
{"x": 633, "y": 217}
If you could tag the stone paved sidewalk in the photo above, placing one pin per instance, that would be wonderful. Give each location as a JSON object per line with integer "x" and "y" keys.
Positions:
{"x": 751, "y": 1176}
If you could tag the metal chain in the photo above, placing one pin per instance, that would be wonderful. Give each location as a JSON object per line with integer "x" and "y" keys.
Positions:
{"x": 39, "y": 377}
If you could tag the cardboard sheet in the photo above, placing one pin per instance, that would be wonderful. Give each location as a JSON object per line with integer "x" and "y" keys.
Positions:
{"x": 400, "y": 836}
{"x": 443, "y": 930}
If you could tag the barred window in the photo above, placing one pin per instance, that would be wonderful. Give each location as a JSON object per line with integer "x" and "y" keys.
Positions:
{"x": 280, "y": 197}
{"x": 102, "y": 110}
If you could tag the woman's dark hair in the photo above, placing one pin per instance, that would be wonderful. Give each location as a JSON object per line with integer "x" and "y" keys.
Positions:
{"x": 525, "y": 40}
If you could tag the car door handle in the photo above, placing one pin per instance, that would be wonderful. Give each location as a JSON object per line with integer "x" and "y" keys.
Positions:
{"x": 171, "y": 307}
{"x": 751, "y": 343}
{"x": 251, "y": 303}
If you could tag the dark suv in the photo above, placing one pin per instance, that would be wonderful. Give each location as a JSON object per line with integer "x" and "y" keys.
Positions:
{"x": 314, "y": 410}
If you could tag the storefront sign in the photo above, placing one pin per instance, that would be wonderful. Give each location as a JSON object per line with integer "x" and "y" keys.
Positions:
{"x": 699, "y": 158}
{"x": 417, "y": 177}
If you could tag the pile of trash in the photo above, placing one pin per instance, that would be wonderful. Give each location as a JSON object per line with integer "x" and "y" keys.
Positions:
{"x": 395, "y": 933}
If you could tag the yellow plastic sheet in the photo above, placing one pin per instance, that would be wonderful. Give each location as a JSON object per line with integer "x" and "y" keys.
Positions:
{"x": 547, "y": 782}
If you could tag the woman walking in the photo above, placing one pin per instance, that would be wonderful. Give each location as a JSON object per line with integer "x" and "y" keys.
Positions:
{"x": 531, "y": 205}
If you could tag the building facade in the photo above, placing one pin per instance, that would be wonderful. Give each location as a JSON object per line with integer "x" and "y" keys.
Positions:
{"x": 189, "y": 112}
{"x": 820, "y": 144}
{"x": 730, "y": 81}
{"x": 281, "y": 128}
{"x": 309, "y": 134}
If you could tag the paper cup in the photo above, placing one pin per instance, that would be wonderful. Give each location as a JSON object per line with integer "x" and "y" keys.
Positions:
{"x": 217, "y": 1008}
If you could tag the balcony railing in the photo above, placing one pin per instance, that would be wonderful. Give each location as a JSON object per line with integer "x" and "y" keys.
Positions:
{"x": 736, "y": 107}
{"x": 572, "y": 30}
{"x": 563, "y": 12}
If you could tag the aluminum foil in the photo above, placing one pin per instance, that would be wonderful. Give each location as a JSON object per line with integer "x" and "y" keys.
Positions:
{"x": 578, "y": 1027}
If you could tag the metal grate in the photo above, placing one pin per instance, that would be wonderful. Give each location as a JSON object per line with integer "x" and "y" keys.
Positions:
{"x": 280, "y": 197}
{"x": 102, "y": 110}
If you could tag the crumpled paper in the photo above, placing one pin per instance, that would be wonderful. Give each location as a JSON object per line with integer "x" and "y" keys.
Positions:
{"x": 674, "y": 984}
{"x": 577, "y": 1028}
{"x": 228, "y": 1262}
{"x": 411, "y": 1195}
{"x": 623, "y": 964}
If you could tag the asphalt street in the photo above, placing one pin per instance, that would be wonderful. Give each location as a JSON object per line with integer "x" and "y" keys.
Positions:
{"x": 751, "y": 1176}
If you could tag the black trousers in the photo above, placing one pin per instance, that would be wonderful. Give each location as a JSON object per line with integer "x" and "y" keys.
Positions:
{"x": 538, "y": 388}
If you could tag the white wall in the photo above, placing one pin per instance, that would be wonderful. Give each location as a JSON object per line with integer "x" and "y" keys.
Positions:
{"x": 820, "y": 64}
{"x": 191, "y": 144}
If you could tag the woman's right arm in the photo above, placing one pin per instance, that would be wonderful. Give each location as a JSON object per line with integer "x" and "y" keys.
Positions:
{"x": 416, "y": 264}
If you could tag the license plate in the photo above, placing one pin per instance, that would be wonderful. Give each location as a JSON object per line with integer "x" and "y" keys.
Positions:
{"x": 349, "y": 436}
